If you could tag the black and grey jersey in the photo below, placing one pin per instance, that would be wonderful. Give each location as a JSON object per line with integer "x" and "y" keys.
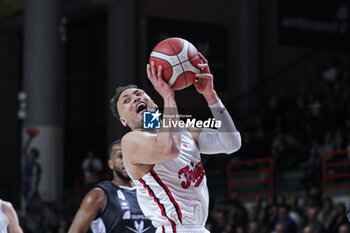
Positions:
{"x": 122, "y": 212}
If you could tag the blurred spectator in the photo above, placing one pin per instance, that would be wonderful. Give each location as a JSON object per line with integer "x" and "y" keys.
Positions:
{"x": 31, "y": 174}
{"x": 219, "y": 221}
{"x": 308, "y": 229}
{"x": 312, "y": 221}
{"x": 91, "y": 167}
{"x": 262, "y": 218}
{"x": 239, "y": 214}
{"x": 272, "y": 216}
{"x": 271, "y": 201}
{"x": 280, "y": 200}
{"x": 339, "y": 218}
{"x": 312, "y": 169}
{"x": 294, "y": 211}
{"x": 344, "y": 229}
{"x": 278, "y": 145}
{"x": 63, "y": 225}
{"x": 240, "y": 230}
{"x": 253, "y": 214}
{"x": 338, "y": 144}
{"x": 228, "y": 228}
{"x": 348, "y": 146}
{"x": 325, "y": 216}
{"x": 279, "y": 228}
{"x": 348, "y": 212}
{"x": 253, "y": 227}
{"x": 284, "y": 220}
{"x": 315, "y": 197}
{"x": 328, "y": 143}
{"x": 314, "y": 105}
{"x": 330, "y": 73}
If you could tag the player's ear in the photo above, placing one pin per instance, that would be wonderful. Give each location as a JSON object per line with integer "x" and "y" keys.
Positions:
{"x": 123, "y": 121}
{"x": 110, "y": 164}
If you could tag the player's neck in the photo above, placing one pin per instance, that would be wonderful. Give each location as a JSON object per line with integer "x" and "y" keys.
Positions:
{"x": 121, "y": 182}
{"x": 146, "y": 130}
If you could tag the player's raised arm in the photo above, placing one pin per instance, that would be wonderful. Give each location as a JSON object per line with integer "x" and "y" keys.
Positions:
{"x": 94, "y": 202}
{"x": 226, "y": 139}
{"x": 155, "y": 147}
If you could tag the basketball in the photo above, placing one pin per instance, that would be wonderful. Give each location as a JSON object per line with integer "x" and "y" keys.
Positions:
{"x": 179, "y": 59}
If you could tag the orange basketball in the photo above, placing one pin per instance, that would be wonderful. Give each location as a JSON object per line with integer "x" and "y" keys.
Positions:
{"x": 179, "y": 59}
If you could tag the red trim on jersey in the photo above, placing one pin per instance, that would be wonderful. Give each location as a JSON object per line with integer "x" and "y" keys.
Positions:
{"x": 176, "y": 205}
{"x": 161, "y": 206}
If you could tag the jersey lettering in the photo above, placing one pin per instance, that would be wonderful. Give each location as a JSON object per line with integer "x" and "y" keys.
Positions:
{"x": 193, "y": 174}
{"x": 121, "y": 195}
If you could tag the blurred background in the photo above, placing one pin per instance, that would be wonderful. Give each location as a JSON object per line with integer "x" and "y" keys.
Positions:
{"x": 281, "y": 67}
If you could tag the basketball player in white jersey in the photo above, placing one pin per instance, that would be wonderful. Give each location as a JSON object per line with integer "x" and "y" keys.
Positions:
{"x": 8, "y": 218}
{"x": 166, "y": 165}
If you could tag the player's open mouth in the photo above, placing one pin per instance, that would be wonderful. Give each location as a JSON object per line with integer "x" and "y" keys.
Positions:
{"x": 141, "y": 107}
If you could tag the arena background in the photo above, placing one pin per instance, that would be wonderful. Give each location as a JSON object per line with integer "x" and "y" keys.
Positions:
{"x": 280, "y": 66}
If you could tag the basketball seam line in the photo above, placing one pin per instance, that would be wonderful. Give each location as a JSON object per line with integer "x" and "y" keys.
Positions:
{"x": 167, "y": 62}
{"x": 186, "y": 71}
{"x": 175, "y": 64}
{"x": 179, "y": 63}
{"x": 162, "y": 53}
{"x": 183, "y": 70}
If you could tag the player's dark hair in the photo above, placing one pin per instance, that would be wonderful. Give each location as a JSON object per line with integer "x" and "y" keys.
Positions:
{"x": 118, "y": 141}
{"x": 115, "y": 98}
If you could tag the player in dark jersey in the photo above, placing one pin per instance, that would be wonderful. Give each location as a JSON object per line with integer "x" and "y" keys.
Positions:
{"x": 112, "y": 205}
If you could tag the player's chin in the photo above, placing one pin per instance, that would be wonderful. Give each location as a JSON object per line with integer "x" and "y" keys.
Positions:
{"x": 140, "y": 113}
{"x": 139, "y": 117}
{"x": 125, "y": 173}
{"x": 137, "y": 122}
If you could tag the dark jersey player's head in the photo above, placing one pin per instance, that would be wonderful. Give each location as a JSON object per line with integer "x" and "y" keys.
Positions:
{"x": 115, "y": 160}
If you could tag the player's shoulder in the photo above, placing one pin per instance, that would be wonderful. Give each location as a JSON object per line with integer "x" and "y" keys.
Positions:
{"x": 136, "y": 133}
{"x": 96, "y": 195}
{"x": 106, "y": 185}
{"x": 128, "y": 137}
{"x": 95, "y": 200}
{"x": 7, "y": 208}
{"x": 136, "y": 137}
{"x": 102, "y": 183}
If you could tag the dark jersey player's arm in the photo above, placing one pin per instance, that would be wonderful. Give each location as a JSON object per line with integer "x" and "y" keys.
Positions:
{"x": 93, "y": 203}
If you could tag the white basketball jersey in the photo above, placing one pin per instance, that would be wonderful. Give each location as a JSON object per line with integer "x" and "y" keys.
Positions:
{"x": 3, "y": 227}
{"x": 174, "y": 195}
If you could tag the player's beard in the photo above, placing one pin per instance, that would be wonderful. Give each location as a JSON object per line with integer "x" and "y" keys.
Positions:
{"x": 121, "y": 175}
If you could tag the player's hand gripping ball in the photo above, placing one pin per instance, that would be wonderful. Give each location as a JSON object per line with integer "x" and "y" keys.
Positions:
{"x": 179, "y": 59}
